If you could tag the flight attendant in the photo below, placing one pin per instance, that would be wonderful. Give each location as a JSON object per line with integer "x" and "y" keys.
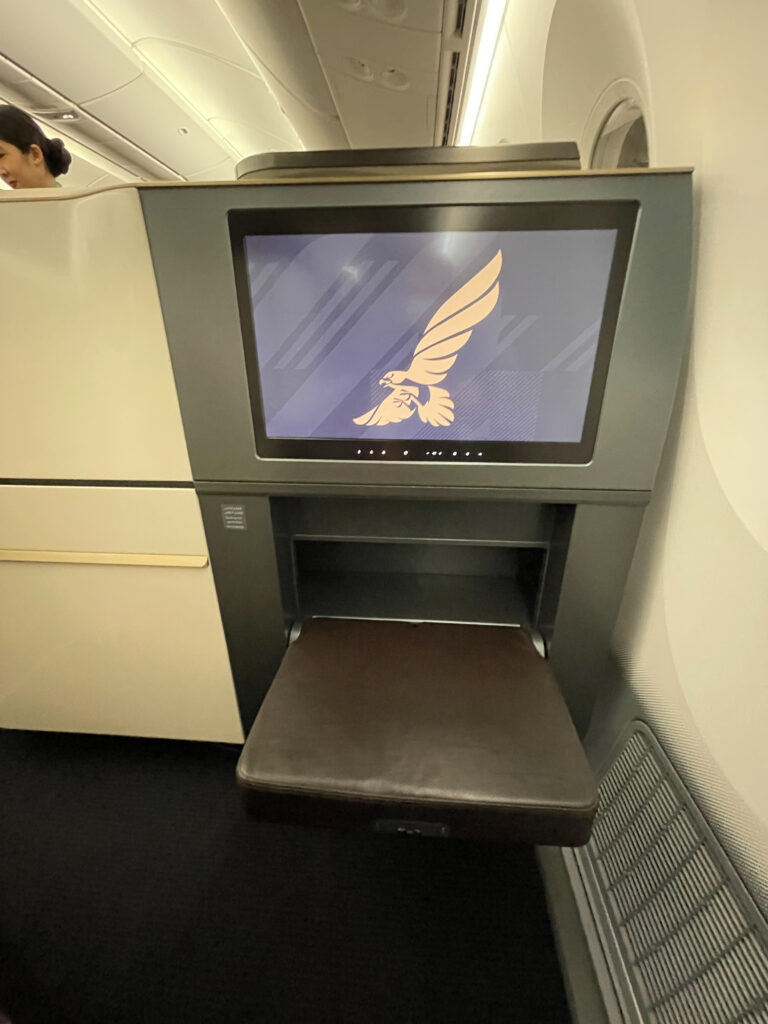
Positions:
{"x": 28, "y": 158}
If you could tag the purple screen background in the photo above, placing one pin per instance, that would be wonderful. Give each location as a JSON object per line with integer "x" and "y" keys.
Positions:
{"x": 333, "y": 313}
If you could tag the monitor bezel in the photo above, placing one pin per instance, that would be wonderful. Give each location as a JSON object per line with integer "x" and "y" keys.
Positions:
{"x": 619, "y": 215}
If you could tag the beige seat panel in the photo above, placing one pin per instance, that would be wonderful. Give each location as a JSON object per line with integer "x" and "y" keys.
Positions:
{"x": 86, "y": 389}
{"x": 103, "y": 645}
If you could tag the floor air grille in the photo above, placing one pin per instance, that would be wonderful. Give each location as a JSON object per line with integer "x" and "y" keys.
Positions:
{"x": 692, "y": 946}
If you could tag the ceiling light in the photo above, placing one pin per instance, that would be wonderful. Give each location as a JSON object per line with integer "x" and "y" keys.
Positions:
{"x": 63, "y": 114}
{"x": 489, "y": 30}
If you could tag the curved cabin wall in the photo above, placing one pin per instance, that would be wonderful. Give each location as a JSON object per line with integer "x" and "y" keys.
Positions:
{"x": 108, "y": 615}
{"x": 691, "y": 637}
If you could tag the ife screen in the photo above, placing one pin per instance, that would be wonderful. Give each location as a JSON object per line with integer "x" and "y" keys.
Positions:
{"x": 428, "y": 339}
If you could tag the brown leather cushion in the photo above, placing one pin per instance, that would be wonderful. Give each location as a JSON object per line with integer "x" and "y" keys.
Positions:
{"x": 432, "y": 728}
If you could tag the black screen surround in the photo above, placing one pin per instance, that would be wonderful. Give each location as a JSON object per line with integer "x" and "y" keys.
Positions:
{"x": 436, "y": 220}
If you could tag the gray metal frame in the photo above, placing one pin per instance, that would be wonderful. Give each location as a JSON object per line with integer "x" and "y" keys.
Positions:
{"x": 189, "y": 239}
{"x": 536, "y": 156}
{"x": 588, "y": 537}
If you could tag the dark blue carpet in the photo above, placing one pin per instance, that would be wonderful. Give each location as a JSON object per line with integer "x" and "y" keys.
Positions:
{"x": 134, "y": 890}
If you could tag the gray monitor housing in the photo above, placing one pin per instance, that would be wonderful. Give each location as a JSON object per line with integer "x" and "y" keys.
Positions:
{"x": 426, "y": 161}
{"x": 545, "y": 546}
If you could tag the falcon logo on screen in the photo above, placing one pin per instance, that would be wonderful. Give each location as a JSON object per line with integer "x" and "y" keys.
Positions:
{"x": 413, "y": 390}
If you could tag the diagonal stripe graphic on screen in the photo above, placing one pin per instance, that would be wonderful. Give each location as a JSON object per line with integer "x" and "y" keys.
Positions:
{"x": 511, "y": 332}
{"x": 339, "y": 293}
{"x": 348, "y": 310}
{"x": 575, "y": 345}
{"x": 262, "y": 278}
{"x": 585, "y": 359}
{"x": 284, "y": 352}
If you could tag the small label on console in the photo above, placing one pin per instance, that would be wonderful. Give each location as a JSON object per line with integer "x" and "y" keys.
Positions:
{"x": 411, "y": 828}
{"x": 233, "y": 517}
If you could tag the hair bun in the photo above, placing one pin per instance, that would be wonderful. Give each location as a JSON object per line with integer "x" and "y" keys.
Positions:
{"x": 57, "y": 157}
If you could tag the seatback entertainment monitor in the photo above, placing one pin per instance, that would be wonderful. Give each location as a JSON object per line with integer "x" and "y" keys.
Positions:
{"x": 430, "y": 333}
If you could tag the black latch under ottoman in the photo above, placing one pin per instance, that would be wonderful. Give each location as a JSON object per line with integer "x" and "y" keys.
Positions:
{"x": 428, "y": 729}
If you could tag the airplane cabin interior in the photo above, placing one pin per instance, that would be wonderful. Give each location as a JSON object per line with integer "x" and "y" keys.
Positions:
{"x": 383, "y": 518}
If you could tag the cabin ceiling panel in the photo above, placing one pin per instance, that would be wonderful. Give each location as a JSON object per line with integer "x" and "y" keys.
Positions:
{"x": 12, "y": 75}
{"x": 223, "y": 92}
{"x": 247, "y": 138}
{"x": 276, "y": 34}
{"x": 89, "y": 166}
{"x": 71, "y": 53}
{"x": 101, "y": 140}
{"x": 94, "y": 160}
{"x": 338, "y": 33}
{"x": 383, "y": 75}
{"x": 420, "y": 15}
{"x": 223, "y": 171}
{"x": 193, "y": 45}
{"x": 20, "y": 89}
{"x": 241, "y": 76}
{"x": 83, "y": 175}
{"x": 374, "y": 116}
{"x": 193, "y": 23}
{"x": 127, "y": 109}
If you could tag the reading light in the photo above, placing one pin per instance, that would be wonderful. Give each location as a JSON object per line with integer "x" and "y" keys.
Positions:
{"x": 489, "y": 29}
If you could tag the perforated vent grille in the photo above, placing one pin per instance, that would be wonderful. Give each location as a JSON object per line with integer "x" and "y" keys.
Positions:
{"x": 692, "y": 943}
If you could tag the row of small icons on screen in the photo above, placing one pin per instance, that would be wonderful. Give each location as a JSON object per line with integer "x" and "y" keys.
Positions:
{"x": 373, "y": 451}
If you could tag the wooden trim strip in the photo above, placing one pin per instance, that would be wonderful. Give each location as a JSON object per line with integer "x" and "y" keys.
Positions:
{"x": 103, "y": 558}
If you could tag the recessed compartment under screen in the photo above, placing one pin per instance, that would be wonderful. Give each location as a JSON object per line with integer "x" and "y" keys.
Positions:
{"x": 417, "y": 561}
{"x": 433, "y": 583}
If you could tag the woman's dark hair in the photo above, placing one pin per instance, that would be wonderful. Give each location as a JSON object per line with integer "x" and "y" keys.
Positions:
{"x": 18, "y": 128}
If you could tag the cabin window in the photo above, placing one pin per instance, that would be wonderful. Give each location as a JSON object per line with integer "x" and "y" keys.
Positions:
{"x": 622, "y": 140}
